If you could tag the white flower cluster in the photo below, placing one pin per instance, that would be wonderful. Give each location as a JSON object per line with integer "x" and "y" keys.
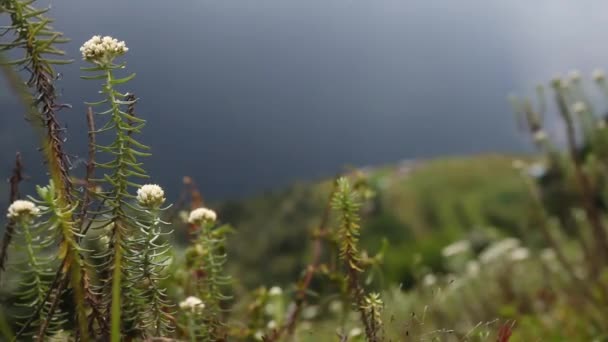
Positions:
{"x": 202, "y": 215}
{"x": 192, "y": 304}
{"x": 598, "y": 75}
{"x": 540, "y": 136}
{"x": 519, "y": 254}
{"x": 275, "y": 291}
{"x": 21, "y": 209}
{"x": 456, "y": 248}
{"x": 150, "y": 196}
{"x": 498, "y": 250}
{"x": 579, "y": 107}
{"x": 102, "y": 49}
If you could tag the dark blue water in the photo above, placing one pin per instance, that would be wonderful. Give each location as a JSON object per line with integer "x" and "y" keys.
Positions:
{"x": 246, "y": 95}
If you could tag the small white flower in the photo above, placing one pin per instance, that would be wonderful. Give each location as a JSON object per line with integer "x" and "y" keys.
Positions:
{"x": 354, "y": 332}
{"x": 473, "y": 268}
{"x": 519, "y": 254}
{"x": 498, "y": 249}
{"x": 102, "y": 50}
{"x": 259, "y": 335}
{"x": 455, "y": 248}
{"x": 598, "y": 75}
{"x": 579, "y": 107}
{"x": 429, "y": 280}
{"x": 272, "y": 325}
{"x": 22, "y": 210}
{"x": 335, "y": 306}
{"x": 310, "y": 312}
{"x": 540, "y": 136}
{"x": 192, "y": 304}
{"x": 150, "y": 196}
{"x": 537, "y": 170}
{"x": 202, "y": 215}
{"x": 275, "y": 291}
{"x": 518, "y": 164}
{"x": 575, "y": 75}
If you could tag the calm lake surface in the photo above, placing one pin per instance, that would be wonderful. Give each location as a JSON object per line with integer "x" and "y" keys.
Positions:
{"x": 249, "y": 95}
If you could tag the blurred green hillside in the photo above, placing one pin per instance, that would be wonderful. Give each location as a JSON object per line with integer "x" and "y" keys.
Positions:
{"x": 418, "y": 207}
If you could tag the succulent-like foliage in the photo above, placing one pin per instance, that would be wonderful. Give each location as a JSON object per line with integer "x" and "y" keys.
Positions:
{"x": 149, "y": 249}
{"x": 34, "y": 259}
{"x": 346, "y": 203}
{"x": 206, "y": 259}
{"x": 32, "y": 33}
{"x": 119, "y": 171}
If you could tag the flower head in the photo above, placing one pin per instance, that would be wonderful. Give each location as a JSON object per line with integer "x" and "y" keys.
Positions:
{"x": 540, "y": 136}
{"x": 455, "y": 248}
{"x": 579, "y": 107}
{"x": 192, "y": 304}
{"x": 498, "y": 250}
{"x": 275, "y": 291}
{"x": 575, "y": 75}
{"x": 150, "y": 196}
{"x": 102, "y": 50}
{"x": 598, "y": 75}
{"x": 202, "y": 215}
{"x": 519, "y": 254}
{"x": 22, "y": 210}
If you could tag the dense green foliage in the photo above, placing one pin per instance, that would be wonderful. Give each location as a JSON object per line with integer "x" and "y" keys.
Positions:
{"x": 417, "y": 207}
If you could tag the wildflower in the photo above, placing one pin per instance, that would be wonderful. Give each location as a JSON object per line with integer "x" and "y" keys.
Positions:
{"x": 335, "y": 306}
{"x": 575, "y": 75}
{"x": 579, "y": 107}
{"x": 310, "y": 312}
{"x": 202, "y": 215}
{"x": 498, "y": 250}
{"x": 272, "y": 325}
{"x": 473, "y": 268}
{"x": 537, "y": 170}
{"x": 598, "y": 75}
{"x": 354, "y": 332}
{"x": 22, "y": 210}
{"x": 518, "y": 164}
{"x": 519, "y": 254}
{"x": 259, "y": 335}
{"x": 150, "y": 196}
{"x": 275, "y": 291}
{"x": 540, "y": 136}
{"x": 429, "y": 280}
{"x": 456, "y": 248}
{"x": 102, "y": 50}
{"x": 192, "y": 304}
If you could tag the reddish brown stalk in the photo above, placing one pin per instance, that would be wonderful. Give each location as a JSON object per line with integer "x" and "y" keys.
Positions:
{"x": 86, "y": 201}
{"x": 14, "y": 181}
{"x": 304, "y": 283}
{"x": 585, "y": 186}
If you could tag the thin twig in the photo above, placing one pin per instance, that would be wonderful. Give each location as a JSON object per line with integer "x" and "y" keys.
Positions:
{"x": 14, "y": 181}
{"x": 304, "y": 283}
{"x": 90, "y": 167}
{"x": 584, "y": 184}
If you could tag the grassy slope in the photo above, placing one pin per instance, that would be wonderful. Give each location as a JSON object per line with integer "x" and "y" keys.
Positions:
{"x": 420, "y": 207}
